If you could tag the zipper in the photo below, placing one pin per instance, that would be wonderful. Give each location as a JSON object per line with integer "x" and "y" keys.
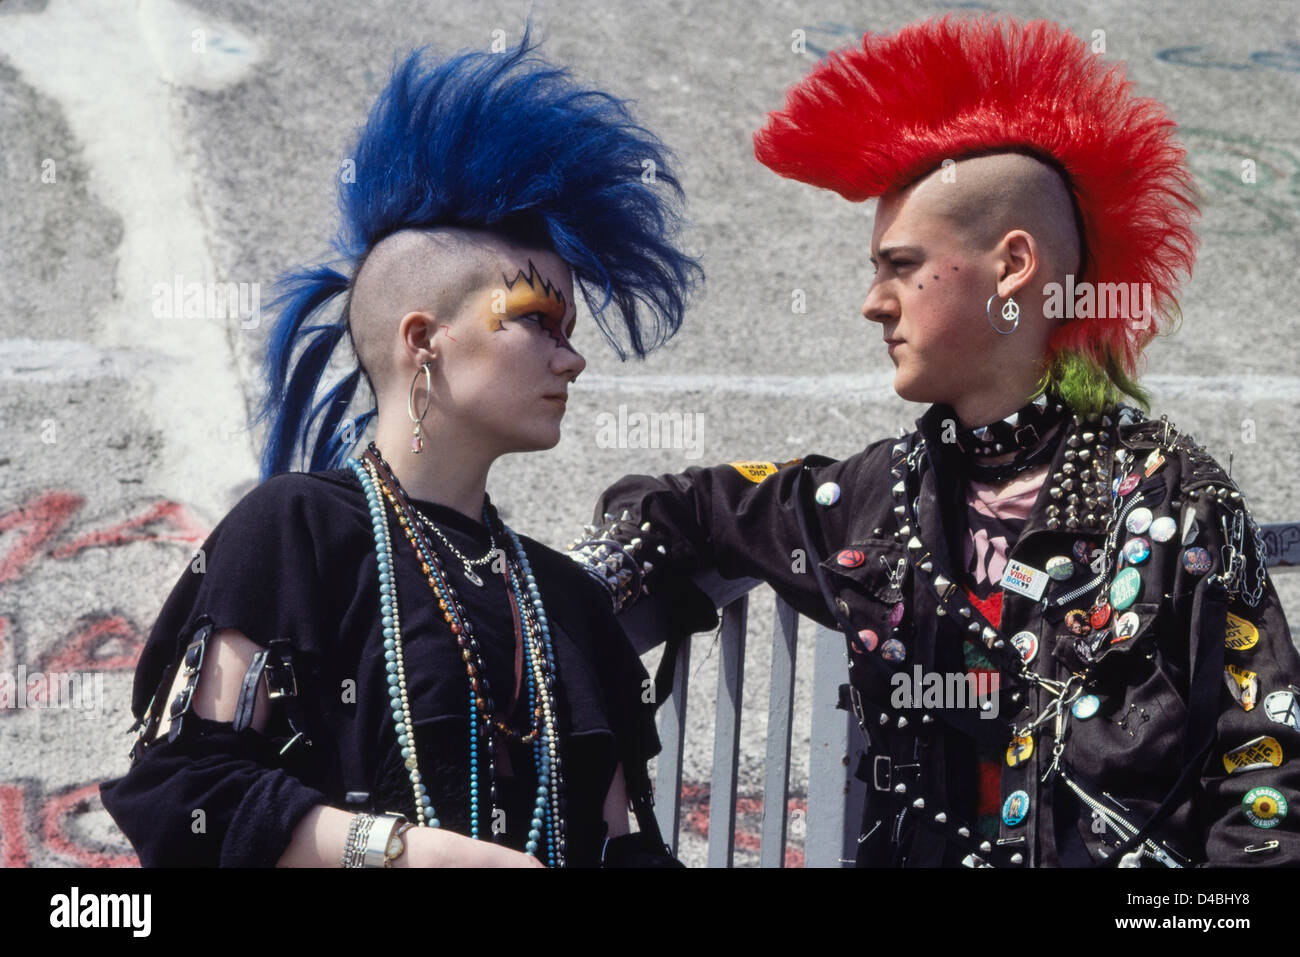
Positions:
{"x": 898, "y": 825}
{"x": 1121, "y": 825}
{"x": 1075, "y": 593}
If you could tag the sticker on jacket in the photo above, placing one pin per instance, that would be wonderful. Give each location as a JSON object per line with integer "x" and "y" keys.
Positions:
{"x": 1025, "y": 579}
{"x": 1241, "y": 634}
{"x": 1262, "y": 752}
{"x": 754, "y": 471}
{"x": 1243, "y": 684}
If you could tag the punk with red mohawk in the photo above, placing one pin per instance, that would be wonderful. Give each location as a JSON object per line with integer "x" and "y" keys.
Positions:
{"x": 1043, "y": 593}
{"x": 870, "y": 121}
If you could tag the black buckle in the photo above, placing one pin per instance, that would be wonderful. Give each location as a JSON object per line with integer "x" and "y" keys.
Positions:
{"x": 281, "y": 681}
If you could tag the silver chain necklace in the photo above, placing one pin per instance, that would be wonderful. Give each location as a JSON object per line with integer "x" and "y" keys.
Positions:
{"x": 467, "y": 562}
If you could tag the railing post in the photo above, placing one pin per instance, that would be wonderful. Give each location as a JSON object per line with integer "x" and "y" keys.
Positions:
{"x": 726, "y": 735}
{"x": 780, "y": 713}
{"x": 835, "y": 796}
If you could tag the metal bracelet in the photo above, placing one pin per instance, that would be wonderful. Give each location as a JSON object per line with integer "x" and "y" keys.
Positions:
{"x": 379, "y": 838}
{"x": 354, "y": 851}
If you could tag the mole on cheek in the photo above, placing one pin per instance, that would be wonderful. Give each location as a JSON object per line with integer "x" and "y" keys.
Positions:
{"x": 919, "y": 286}
{"x": 936, "y": 276}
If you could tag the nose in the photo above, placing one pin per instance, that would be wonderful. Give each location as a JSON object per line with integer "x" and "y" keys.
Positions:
{"x": 567, "y": 362}
{"x": 880, "y": 305}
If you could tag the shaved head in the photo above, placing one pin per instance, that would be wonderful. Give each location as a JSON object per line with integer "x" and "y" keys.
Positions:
{"x": 985, "y": 197}
{"x": 416, "y": 270}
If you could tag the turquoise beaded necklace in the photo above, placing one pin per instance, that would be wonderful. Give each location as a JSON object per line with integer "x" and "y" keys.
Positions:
{"x": 546, "y": 829}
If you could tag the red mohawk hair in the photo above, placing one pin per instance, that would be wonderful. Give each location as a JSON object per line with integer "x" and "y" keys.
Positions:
{"x": 866, "y": 122}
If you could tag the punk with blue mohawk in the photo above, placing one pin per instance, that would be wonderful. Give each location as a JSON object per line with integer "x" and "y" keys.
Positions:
{"x": 515, "y": 732}
{"x": 505, "y": 143}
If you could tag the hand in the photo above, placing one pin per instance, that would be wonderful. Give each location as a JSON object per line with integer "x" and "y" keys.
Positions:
{"x": 436, "y": 847}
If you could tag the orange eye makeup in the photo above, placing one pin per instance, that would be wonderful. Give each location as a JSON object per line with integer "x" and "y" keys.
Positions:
{"x": 529, "y": 295}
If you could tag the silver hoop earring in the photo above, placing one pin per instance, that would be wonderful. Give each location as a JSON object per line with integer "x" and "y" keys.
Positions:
{"x": 1010, "y": 312}
{"x": 417, "y": 443}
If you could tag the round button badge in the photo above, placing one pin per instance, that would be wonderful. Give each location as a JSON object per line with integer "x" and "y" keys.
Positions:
{"x": 893, "y": 650}
{"x": 1138, "y": 521}
{"x": 1026, "y": 643}
{"x": 1126, "y": 626}
{"x": 869, "y": 639}
{"x": 1136, "y": 551}
{"x": 1085, "y": 706}
{"x": 1128, "y": 483}
{"x": 850, "y": 558}
{"x": 1163, "y": 529}
{"x": 828, "y": 493}
{"x": 1126, "y": 587}
{"x": 1019, "y": 750}
{"x": 1099, "y": 615}
{"x": 1015, "y": 808}
{"x": 1264, "y": 806}
{"x": 1060, "y": 567}
{"x": 1197, "y": 560}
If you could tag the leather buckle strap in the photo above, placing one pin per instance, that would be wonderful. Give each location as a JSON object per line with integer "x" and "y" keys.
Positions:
{"x": 191, "y": 670}
{"x": 247, "y": 702}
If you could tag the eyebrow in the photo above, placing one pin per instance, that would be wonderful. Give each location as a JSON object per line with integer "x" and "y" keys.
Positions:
{"x": 890, "y": 251}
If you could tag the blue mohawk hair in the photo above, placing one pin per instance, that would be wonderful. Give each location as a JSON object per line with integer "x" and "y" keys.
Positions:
{"x": 504, "y": 142}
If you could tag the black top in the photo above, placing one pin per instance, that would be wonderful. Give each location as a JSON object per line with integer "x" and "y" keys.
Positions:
{"x": 296, "y": 559}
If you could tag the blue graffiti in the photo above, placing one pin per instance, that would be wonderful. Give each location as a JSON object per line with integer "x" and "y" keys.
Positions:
{"x": 1196, "y": 56}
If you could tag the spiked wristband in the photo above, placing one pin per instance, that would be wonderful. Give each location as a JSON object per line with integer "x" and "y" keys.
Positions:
{"x": 612, "y": 554}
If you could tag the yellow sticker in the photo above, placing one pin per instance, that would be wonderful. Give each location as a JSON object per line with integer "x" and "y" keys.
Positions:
{"x": 1263, "y": 752}
{"x": 1243, "y": 684}
{"x": 1241, "y": 634}
{"x": 754, "y": 471}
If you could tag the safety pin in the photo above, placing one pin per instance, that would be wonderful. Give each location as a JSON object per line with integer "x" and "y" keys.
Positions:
{"x": 1266, "y": 846}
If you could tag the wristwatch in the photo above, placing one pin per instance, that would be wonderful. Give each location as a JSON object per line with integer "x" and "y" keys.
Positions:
{"x": 385, "y": 842}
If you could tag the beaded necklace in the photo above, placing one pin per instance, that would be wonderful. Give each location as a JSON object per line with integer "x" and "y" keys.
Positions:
{"x": 547, "y": 825}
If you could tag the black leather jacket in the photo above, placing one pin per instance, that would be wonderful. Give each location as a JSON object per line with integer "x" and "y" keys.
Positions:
{"x": 1163, "y": 703}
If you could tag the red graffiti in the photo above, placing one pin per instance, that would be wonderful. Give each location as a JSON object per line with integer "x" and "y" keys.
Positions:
{"x": 749, "y": 810}
{"x": 104, "y": 644}
{"x": 59, "y": 811}
{"x": 186, "y": 529}
{"x": 56, "y": 839}
{"x": 35, "y": 522}
{"x": 13, "y": 830}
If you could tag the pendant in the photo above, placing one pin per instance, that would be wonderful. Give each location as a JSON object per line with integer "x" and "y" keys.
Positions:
{"x": 469, "y": 573}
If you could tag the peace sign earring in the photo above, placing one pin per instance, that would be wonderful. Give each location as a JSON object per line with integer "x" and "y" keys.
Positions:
{"x": 1010, "y": 313}
{"x": 417, "y": 443}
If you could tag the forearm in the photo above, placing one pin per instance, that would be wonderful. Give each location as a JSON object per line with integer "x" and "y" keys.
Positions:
{"x": 318, "y": 839}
